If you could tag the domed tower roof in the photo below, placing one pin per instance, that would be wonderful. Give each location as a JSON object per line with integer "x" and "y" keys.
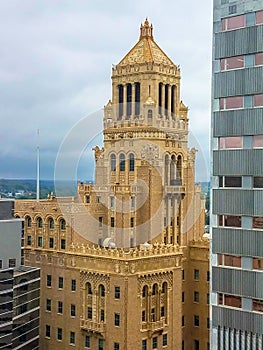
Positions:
{"x": 146, "y": 49}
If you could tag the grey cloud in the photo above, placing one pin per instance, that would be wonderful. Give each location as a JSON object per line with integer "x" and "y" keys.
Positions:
{"x": 55, "y": 68}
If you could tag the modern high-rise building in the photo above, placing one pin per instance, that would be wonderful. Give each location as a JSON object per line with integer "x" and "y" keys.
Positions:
{"x": 19, "y": 286}
{"x": 237, "y": 176}
{"x": 124, "y": 263}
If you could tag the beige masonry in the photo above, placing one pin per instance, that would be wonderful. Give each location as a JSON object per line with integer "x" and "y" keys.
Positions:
{"x": 128, "y": 296}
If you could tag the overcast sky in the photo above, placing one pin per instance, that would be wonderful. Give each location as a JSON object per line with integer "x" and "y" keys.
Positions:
{"x": 55, "y": 69}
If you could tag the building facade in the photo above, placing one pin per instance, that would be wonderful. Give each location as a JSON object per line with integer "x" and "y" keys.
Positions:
{"x": 237, "y": 175}
{"x": 19, "y": 286}
{"x": 119, "y": 259}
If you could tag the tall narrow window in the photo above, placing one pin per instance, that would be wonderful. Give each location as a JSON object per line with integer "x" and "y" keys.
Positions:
{"x": 113, "y": 162}
{"x": 51, "y": 223}
{"x": 63, "y": 243}
{"x": 102, "y": 290}
{"x": 179, "y": 168}
{"x": 172, "y": 171}
{"x": 116, "y": 319}
{"x": 129, "y": 100}
{"x": 144, "y": 291}
{"x": 172, "y": 99}
{"x": 39, "y": 222}
{"x": 150, "y": 116}
{"x": 89, "y": 313}
{"x": 51, "y": 242}
{"x": 137, "y": 98}
{"x": 166, "y": 100}
{"x": 28, "y": 221}
{"x": 117, "y": 292}
{"x": 89, "y": 288}
{"x": 62, "y": 224}
{"x": 166, "y": 169}
{"x": 120, "y": 88}
{"x": 40, "y": 241}
{"x": 131, "y": 156}
{"x": 59, "y": 333}
{"x": 155, "y": 289}
{"x": 160, "y": 98}
{"x": 72, "y": 338}
{"x": 122, "y": 162}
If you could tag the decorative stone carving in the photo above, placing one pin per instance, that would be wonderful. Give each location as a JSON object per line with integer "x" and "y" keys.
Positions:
{"x": 98, "y": 152}
{"x": 150, "y": 153}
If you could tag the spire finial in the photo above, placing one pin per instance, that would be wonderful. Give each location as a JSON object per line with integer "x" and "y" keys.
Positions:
{"x": 146, "y": 30}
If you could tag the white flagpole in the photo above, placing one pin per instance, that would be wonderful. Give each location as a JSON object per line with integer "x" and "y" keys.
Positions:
{"x": 38, "y": 166}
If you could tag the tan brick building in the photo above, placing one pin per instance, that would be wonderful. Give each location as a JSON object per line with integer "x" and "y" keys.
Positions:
{"x": 124, "y": 264}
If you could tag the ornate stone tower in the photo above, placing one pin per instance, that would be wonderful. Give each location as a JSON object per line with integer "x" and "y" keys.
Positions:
{"x": 112, "y": 258}
{"x": 145, "y": 168}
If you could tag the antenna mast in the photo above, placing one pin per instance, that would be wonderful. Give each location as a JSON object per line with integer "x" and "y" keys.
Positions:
{"x": 38, "y": 166}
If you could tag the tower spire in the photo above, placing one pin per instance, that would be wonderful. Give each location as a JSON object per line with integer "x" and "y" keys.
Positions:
{"x": 146, "y": 30}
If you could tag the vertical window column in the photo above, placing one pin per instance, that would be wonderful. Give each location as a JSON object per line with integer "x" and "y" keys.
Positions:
{"x": 124, "y": 100}
{"x": 163, "y": 100}
{"x": 168, "y": 215}
{"x": 173, "y": 89}
{"x": 166, "y": 170}
{"x": 120, "y": 111}
{"x": 137, "y": 98}
{"x": 128, "y": 100}
{"x": 133, "y": 99}
{"x": 166, "y": 104}
{"x": 169, "y": 100}
{"x": 160, "y": 85}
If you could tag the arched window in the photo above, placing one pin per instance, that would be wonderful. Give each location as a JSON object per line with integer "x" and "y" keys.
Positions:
{"x": 113, "y": 162}
{"x": 155, "y": 289}
{"x": 122, "y": 162}
{"x": 179, "y": 167}
{"x": 164, "y": 287}
{"x": 101, "y": 290}
{"x": 144, "y": 291}
{"x": 28, "y": 221}
{"x": 51, "y": 223}
{"x": 172, "y": 170}
{"x": 89, "y": 288}
{"x": 39, "y": 222}
{"x": 166, "y": 169}
{"x": 131, "y": 161}
{"x": 62, "y": 224}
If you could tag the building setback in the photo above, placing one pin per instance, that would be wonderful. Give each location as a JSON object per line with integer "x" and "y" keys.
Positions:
{"x": 124, "y": 263}
{"x": 237, "y": 176}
